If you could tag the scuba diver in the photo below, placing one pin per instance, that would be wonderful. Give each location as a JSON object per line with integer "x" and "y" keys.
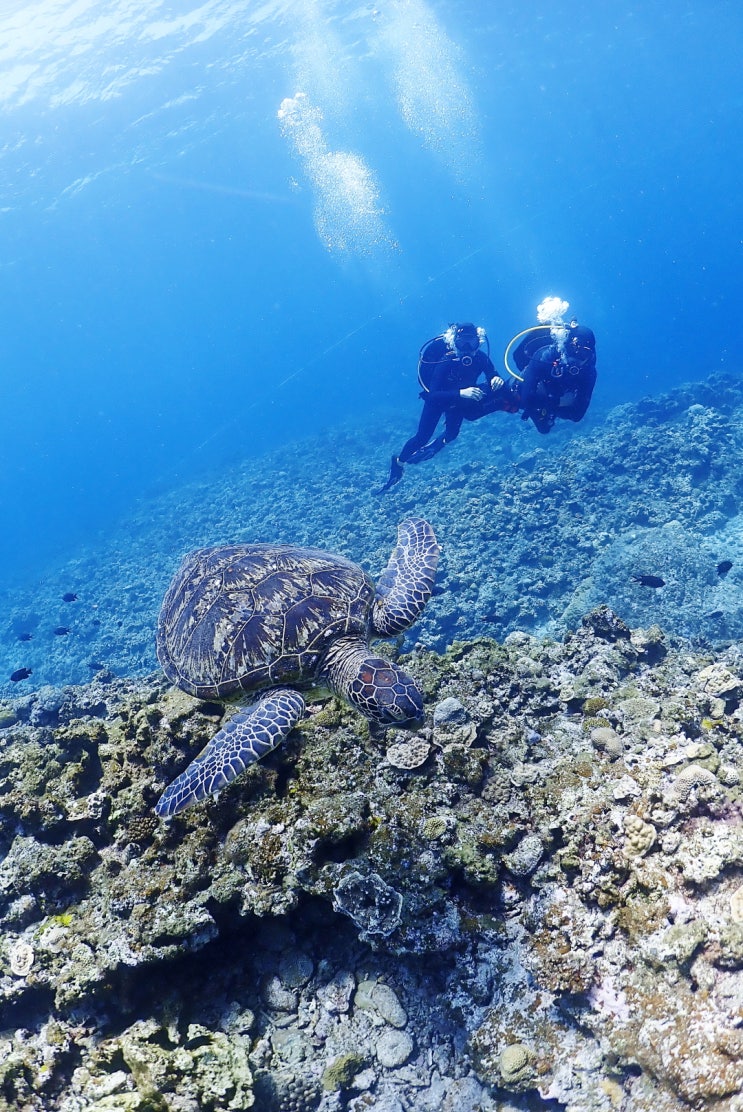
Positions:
{"x": 559, "y": 377}
{"x": 450, "y": 367}
{"x": 553, "y": 364}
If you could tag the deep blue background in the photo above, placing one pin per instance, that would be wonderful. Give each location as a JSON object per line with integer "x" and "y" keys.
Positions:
{"x": 167, "y": 303}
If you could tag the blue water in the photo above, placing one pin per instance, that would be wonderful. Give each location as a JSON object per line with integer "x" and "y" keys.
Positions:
{"x": 187, "y": 278}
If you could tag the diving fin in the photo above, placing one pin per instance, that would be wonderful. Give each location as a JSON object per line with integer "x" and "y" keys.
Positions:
{"x": 396, "y": 473}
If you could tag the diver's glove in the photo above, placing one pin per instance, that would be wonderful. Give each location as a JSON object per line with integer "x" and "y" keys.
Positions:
{"x": 472, "y": 394}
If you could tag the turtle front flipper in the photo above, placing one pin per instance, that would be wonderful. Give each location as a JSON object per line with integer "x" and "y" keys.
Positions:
{"x": 405, "y": 585}
{"x": 246, "y": 737}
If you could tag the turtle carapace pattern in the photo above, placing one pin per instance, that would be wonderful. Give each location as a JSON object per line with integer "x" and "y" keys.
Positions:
{"x": 263, "y": 618}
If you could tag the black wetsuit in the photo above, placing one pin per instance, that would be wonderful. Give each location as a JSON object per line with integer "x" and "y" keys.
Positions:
{"x": 446, "y": 373}
{"x": 556, "y": 386}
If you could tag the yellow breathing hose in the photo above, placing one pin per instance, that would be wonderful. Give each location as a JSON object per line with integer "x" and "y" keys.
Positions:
{"x": 517, "y": 337}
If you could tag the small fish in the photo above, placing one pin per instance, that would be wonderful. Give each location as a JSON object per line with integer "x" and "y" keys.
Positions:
{"x": 715, "y": 614}
{"x": 95, "y": 665}
{"x": 61, "y": 631}
{"x": 724, "y": 567}
{"x": 650, "y": 580}
{"x": 25, "y": 636}
{"x": 20, "y": 674}
{"x": 491, "y": 617}
{"x": 69, "y": 596}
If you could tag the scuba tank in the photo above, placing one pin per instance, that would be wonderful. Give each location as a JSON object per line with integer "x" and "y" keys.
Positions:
{"x": 527, "y": 344}
{"x": 524, "y": 346}
{"x": 426, "y": 365}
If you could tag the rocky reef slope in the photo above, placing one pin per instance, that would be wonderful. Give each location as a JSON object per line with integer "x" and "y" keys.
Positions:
{"x": 536, "y": 531}
{"x": 535, "y": 902}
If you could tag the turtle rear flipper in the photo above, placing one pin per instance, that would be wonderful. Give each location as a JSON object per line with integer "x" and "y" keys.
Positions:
{"x": 405, "y": 585}
{"x": 247, "y": 736}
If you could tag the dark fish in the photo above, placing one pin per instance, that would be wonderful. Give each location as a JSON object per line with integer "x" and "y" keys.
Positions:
{"x": 25, "y": 636}
{"x": 62, "y": 631}
{"x": 95, "y": 666}
{"x": 69, "y": 596}
{"x": 724, "y": 567}
{"x": 715, "y": 614}
{"x": 492, "y": 617}
{"x": 650, "y": 580}
{"x": 20, "y": 674}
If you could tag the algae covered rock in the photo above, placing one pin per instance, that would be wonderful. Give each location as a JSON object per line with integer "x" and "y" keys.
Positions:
{"x": 375, "y": 907}
{"x": 549, "y": 899}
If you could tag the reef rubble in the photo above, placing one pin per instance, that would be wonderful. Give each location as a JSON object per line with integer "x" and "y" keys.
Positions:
{"x": 537, "y": 902}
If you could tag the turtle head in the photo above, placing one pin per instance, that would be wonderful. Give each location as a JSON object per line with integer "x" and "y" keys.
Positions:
{"x": 385, "y": 694}
{"x": 380, "y": 690}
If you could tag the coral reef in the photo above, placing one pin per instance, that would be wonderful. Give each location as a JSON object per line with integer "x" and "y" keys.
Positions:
{"x": 652, "y": 489}
{"x": 545, "y": 912}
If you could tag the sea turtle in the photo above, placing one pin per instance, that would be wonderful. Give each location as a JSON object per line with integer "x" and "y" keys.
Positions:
{"x": 241, "y": 618}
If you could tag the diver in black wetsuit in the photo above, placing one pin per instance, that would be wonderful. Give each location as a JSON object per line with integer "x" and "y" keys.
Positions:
{"x": 450, "y": 369}
{"x": 559, "y": 379}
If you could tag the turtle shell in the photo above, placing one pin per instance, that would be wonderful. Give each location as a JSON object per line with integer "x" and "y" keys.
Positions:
{"x": 246, "y": 616}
